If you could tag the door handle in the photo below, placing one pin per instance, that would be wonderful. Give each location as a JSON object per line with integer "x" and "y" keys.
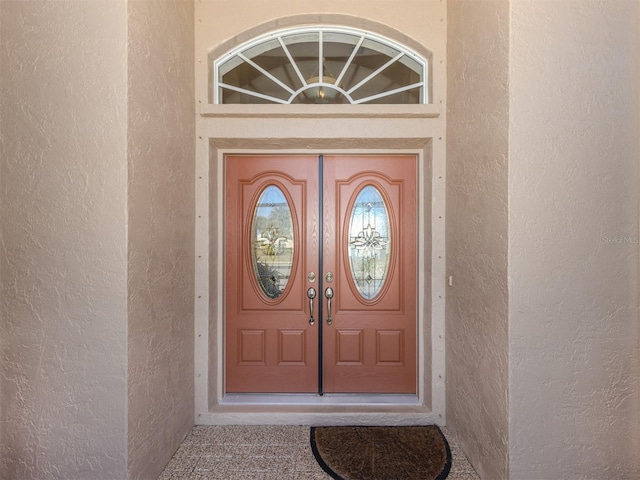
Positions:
{"x": 311, "y": 294}
{"x": 329, "y": 294}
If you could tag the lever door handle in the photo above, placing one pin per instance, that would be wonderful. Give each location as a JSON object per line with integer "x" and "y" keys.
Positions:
{"x": 328, "y": 293}
{"x": 311, "y": 294}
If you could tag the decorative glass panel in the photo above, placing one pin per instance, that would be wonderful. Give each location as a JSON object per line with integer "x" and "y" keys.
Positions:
{"x": 321, "y": 65}
{"x": 272, "y": 242}
{"x": 369, "y": 242}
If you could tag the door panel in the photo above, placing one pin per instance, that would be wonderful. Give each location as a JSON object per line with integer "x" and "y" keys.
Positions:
{"x": 370, "y": 345}
{"x": 270, "y": 346}
{"x": 368, "y": 244}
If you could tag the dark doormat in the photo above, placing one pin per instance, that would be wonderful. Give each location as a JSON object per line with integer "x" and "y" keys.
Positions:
{"x": 382, "y": 453}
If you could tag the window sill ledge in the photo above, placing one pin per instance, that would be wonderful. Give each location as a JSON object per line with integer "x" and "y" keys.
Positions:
{"x": 320, "y": 111}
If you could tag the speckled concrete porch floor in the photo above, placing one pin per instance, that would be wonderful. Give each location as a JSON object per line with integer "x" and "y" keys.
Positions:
{"x": 264, "y": 453}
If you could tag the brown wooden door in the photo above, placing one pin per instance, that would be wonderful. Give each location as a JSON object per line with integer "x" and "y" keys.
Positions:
{"x": 369, "y": 245}
{"x": 270, "y": 345}
{"x": 366, "y": 257}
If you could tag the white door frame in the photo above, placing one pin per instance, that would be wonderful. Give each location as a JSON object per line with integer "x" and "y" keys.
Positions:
{"x": 220, "y": 134}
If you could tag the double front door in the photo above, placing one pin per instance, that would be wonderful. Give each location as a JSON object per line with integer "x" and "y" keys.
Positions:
{"x": 321, "y": 270}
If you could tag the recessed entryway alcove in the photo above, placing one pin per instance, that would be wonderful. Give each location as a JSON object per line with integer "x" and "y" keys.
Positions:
{"x": 305, "y": 409}
{"x": 333, "y": 129}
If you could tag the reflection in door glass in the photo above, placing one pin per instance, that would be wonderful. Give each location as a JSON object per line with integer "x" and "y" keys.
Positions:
{"x": 369, "y": 242}
{"x": 272, "y": 242}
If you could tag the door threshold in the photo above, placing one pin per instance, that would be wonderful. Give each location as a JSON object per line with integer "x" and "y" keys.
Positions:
{"x": 310, "y": 409}
{"x": 332, "y": 399}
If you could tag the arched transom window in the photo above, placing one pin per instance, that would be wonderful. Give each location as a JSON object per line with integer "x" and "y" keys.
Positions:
{"x": 321, "y": 65}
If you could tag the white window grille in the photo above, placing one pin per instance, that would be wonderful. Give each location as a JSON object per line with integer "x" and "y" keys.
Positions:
{"x": 320, "y": 65}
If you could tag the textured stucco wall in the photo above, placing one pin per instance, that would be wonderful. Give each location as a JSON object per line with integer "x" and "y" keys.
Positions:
{"x": 573, "y": 243}
{"x": 161, "y": 199}
{"x": 477, "y": 305}
{"x": 161, "y": 231}
{"x": 71, "y": 213}
{"x": 63, "y": 257}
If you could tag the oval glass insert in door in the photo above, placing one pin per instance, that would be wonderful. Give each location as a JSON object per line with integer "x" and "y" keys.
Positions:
{"x": 272, "y": 242}
{"x": 369, "y": 242}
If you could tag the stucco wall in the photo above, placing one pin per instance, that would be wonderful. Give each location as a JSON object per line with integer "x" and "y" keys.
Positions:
{"x": 63, "y": 257}
{"x": 161, "y": 137}
{"x": 573, "y": 242}
{"x": 477, "y": 303}
{"x": 97, "y": 214}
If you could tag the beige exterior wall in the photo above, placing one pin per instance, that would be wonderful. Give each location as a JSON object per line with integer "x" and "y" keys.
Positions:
{"x": 573, "y": 239}
{"x": 63, "y": 90}
{"x": 161, "y": 208}
{"x": 568, "y": 345}
{"x": 97, "y": 214}
{"x": 477, "y": 232}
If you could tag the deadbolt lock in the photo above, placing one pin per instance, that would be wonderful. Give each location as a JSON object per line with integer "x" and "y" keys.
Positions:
{"x": 329, "y": 277}
{"x": 311, "y": 277}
